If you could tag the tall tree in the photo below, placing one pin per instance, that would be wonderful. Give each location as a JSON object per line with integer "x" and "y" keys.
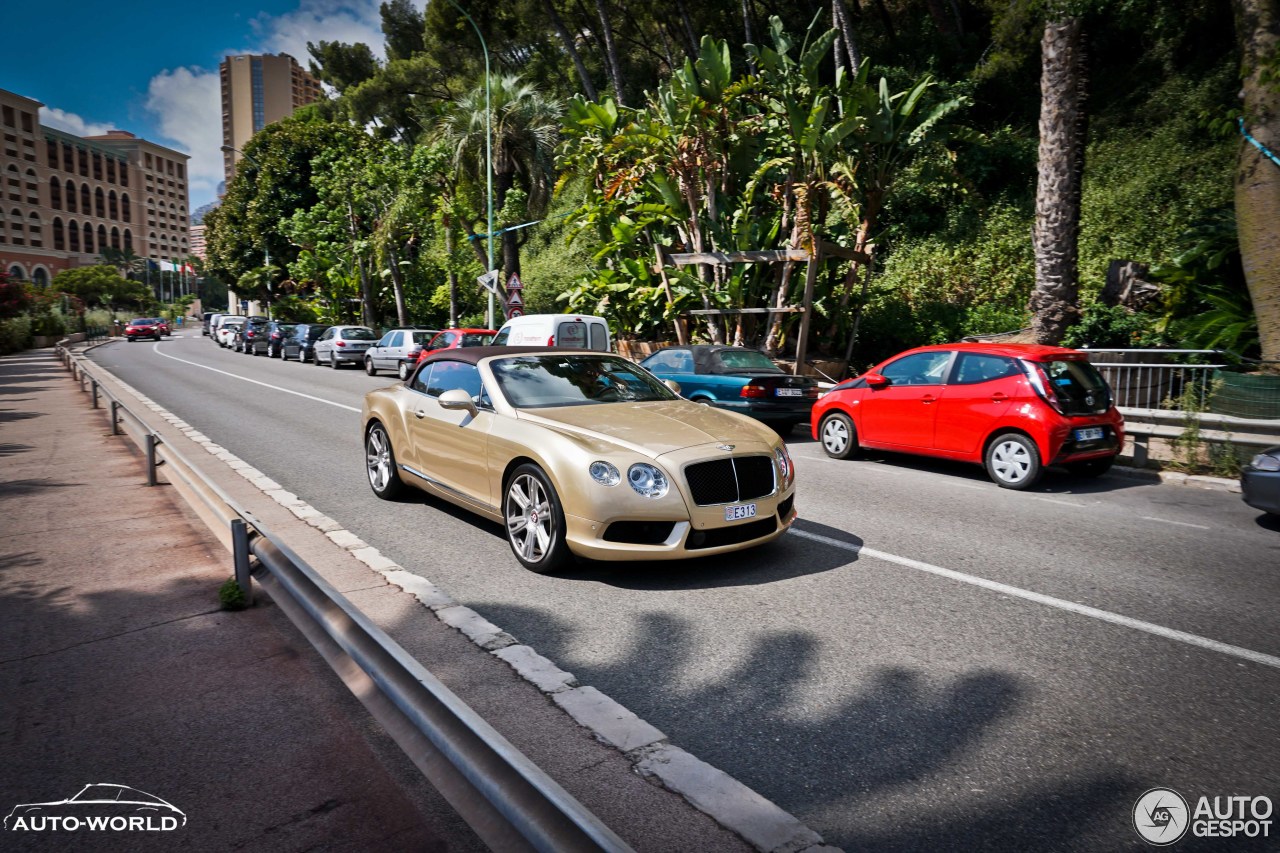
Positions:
{"x": 403, "y": 26}
{"x": 1257, "y": 176}
{"x": 570, "y": 48}
{"x": 611, "y": 52}
{"x": 1054, "y": 303}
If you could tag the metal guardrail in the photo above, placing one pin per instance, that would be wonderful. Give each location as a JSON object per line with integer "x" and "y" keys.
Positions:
{"x": 509, "y": 802}
{"x": 1139, "y": 380}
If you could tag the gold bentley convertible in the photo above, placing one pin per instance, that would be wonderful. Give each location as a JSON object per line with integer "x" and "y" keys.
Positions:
{"x": 578, "y": 453}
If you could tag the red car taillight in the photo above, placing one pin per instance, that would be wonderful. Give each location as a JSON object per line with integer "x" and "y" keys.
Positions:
{"x": 339, "y": 343}
{"x": 1043, "y": 387}
{"x": 551, "y": 341}
{"x": 753, "y": 391}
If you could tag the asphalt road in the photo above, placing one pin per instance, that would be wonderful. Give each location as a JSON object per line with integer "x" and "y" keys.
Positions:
{"x": 927, "y": 662}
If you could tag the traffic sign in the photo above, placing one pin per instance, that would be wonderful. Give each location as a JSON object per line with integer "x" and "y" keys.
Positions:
{"x": 513, "y": 283}
{"x": 489, "y": 281}
{"x": 514, "y": 300}
{"x": 514, "y": 312}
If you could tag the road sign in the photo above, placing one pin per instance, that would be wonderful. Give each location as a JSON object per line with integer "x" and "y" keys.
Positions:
{"x": 514, "y": 312}
{"x": 489, "y": 281}
{"x": 513, "y": 283}
{"x": 514, "y": 300}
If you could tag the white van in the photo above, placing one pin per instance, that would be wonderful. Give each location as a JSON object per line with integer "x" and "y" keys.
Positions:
{"x": 581, "y": 331}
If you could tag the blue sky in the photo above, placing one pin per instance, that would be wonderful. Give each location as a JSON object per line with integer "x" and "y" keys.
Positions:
{"x": 151, "y": 68}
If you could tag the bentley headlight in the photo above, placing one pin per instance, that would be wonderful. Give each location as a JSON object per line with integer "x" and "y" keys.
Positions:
{"x": 784, "y": 462}
{"x": 605, "y": 474}
{"x": 647, "y": 480}
{"x": 1265, "y": 462}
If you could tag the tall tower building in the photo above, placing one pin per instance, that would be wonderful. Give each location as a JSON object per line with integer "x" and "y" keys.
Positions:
{"x": 256, "y": 91}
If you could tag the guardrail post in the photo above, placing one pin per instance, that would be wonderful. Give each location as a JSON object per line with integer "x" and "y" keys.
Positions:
{"x": 115, "y": 418}
{"x": 95, "y": 393}
{"x": 151, "y": 458}
{"x": 240, "y": 551}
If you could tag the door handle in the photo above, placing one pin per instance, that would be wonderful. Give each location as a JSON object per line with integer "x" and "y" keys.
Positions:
{"x": 420, "y": 414}
{"x": 999, "y": 397}
{"x": 927, "y": 398}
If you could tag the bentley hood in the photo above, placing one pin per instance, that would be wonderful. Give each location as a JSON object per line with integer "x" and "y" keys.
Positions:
{"x": 653, "y": 428}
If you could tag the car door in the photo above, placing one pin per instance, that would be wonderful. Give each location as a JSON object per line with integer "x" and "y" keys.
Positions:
{"x": 904, "y": 413}
{"x": 977, "y": 393}
{"x": 324, "y": 343}
{"x": 450, "y": 447}
{"x": 381, "y": 352}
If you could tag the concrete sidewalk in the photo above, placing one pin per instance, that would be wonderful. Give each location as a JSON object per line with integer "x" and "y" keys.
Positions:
{"x": 117, "y": 665}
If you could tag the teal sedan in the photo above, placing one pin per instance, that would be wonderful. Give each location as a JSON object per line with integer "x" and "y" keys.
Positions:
{"x": 737, "y": 379}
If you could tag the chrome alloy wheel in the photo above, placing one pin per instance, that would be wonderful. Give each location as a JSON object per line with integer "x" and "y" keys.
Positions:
{"x": 530, "y": 524}
{"x": 378, "y": 459}
{"x": 1011, "y": 461}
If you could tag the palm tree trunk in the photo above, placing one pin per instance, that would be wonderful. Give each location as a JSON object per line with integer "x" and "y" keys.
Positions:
{"x": 611, "y": 53}
{"x": 1055, "y": 302}
{"x": 840, "y": 20}
{"x": 570, "y": 48}
{"x": 1257, "y": 177}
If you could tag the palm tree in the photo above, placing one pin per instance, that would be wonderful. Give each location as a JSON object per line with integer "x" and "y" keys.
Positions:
{"x": 525, "y": 127}
{"x": 1054, "y": 303}
{"x": 1258, "y": 178}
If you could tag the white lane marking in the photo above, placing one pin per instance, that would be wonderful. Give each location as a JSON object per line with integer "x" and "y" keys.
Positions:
{"x": 156, "y": 348}
{"x": 1179, "y": 523}
{"x": 1050, "y": 601}
{"x": 1060, "y": 503}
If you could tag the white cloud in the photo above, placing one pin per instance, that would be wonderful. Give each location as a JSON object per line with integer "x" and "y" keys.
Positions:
{"x": 187, "y": 102}
{"x": 72, "y": 123}
{"x": 187, "y": 105}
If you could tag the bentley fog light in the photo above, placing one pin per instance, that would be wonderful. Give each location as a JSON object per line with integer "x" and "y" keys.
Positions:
{"x": 605, "y": 474}
{"x": 647, "y": 480}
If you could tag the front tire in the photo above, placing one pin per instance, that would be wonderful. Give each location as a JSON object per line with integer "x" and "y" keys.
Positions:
{"x": 535, "y": 522}
{"x": 838, "y": 436}
{"x": 1013, "y": 461}
{"x": 380, "y": 464}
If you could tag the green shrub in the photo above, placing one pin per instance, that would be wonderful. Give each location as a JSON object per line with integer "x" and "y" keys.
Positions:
{"x": 231, "y": 596}
{"x": 15, "y": 334}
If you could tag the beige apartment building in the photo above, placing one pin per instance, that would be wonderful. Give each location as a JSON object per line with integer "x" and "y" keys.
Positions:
{"x": 256, "y": 91}
{"x": 65, "y": 198}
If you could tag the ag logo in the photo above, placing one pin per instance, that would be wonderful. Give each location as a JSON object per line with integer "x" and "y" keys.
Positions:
{"x": 1161, "y": 816}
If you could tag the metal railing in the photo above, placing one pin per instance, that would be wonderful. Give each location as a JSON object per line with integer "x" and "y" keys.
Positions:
{"x": 1148, "y": 379}
{"x": 509, "y": 802}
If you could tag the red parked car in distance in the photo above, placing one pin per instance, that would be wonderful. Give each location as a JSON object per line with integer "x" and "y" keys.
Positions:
{"x": 143, "y": 327}
{"x": 1013, "y": 408}
{"x": 448, "y": 339}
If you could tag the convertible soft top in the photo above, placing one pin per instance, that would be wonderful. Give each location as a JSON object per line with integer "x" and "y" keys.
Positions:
{"x": 474, "y": 355}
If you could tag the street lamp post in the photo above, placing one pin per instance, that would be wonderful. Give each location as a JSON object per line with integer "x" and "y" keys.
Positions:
{"x": 488, "y": 148}
{"x": 266, "y": 248}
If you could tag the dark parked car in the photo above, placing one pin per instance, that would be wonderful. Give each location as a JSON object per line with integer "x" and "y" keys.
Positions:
{"x": 271, "y": 341}
{"x": 253, "y": 329}
{"x": 1260, "y": 481}
{"x": 298, "y": 345}
{"x": 739, "y": 380}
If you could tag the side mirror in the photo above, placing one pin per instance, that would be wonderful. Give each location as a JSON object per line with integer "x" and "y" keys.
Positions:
{"x": 875, "y": 380}
{"x": 672, "y": 384}
{"x": 455, "y": 399}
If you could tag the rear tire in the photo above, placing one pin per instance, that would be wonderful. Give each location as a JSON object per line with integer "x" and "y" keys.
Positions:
{"x": 838, "y": 436}
{"x": 534, "y": 521}
{"x": 1091, "y": 467}
{"x": 404, "y": 371}
{"x": 333, "y": 360}
{"x": 380, "y": 464}
{"x": 368, "y": 366}
{"x": 1013, "y": 461}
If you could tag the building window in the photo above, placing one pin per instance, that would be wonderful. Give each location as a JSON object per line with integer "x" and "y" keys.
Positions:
{"x": 84, "y": 162}
{"x": 258, "y": 96}
{"x": 51, "y": 149}
{"x": 124, "y": 204}
{"x": 111, "y": 170}
{"x": 71, "y": 198}
{"x": 35, "y": 231}
{"x": 88, "y": 237}
{"x": 16, "y": 271}
{"x": 55, "y": 194}
{"x": 68, "y": 158}
{"x": 128, "y": 241}
{"x": 59, "y": 239}
{"x": 102, "y": 238}
{"x": 148, "y": 161}
{"x": 115, "y": 238}
{"x": 28, "y": 124}
{"x": 8, "y": 117}
{"x": 84, "y": 199}
{"x": 124, "y": 174}
{"x": 40, "y": 277}
{"x": 100, "y": 203}
{"x": 113, "y": 205}
{"x": 97, "y": 166}
{"x": 73, "y": 235}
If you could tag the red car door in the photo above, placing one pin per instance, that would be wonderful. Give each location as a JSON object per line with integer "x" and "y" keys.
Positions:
{"x": 980, "y": 389}
{"x": 903, "y": 414}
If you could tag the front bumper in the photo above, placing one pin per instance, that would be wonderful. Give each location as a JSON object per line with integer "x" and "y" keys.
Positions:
{"x": 1261, "y": 489}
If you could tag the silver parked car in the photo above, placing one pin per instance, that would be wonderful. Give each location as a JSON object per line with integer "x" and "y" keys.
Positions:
{"x": 341, "y": 345}
{"x": 388, "y": 353}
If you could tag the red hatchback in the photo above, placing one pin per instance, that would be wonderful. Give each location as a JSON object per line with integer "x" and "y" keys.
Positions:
{"x": 1013, "y": 408}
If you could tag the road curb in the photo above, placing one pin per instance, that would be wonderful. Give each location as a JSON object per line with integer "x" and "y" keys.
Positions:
{"x": 1175, "y": 478}
{"x": 733, "y": 805}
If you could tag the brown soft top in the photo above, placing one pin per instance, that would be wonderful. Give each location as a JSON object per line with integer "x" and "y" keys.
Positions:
{"x": 474, "y": 355}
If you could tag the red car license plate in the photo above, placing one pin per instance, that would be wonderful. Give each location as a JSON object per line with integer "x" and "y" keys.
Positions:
{"x": 1089, "y": 434}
